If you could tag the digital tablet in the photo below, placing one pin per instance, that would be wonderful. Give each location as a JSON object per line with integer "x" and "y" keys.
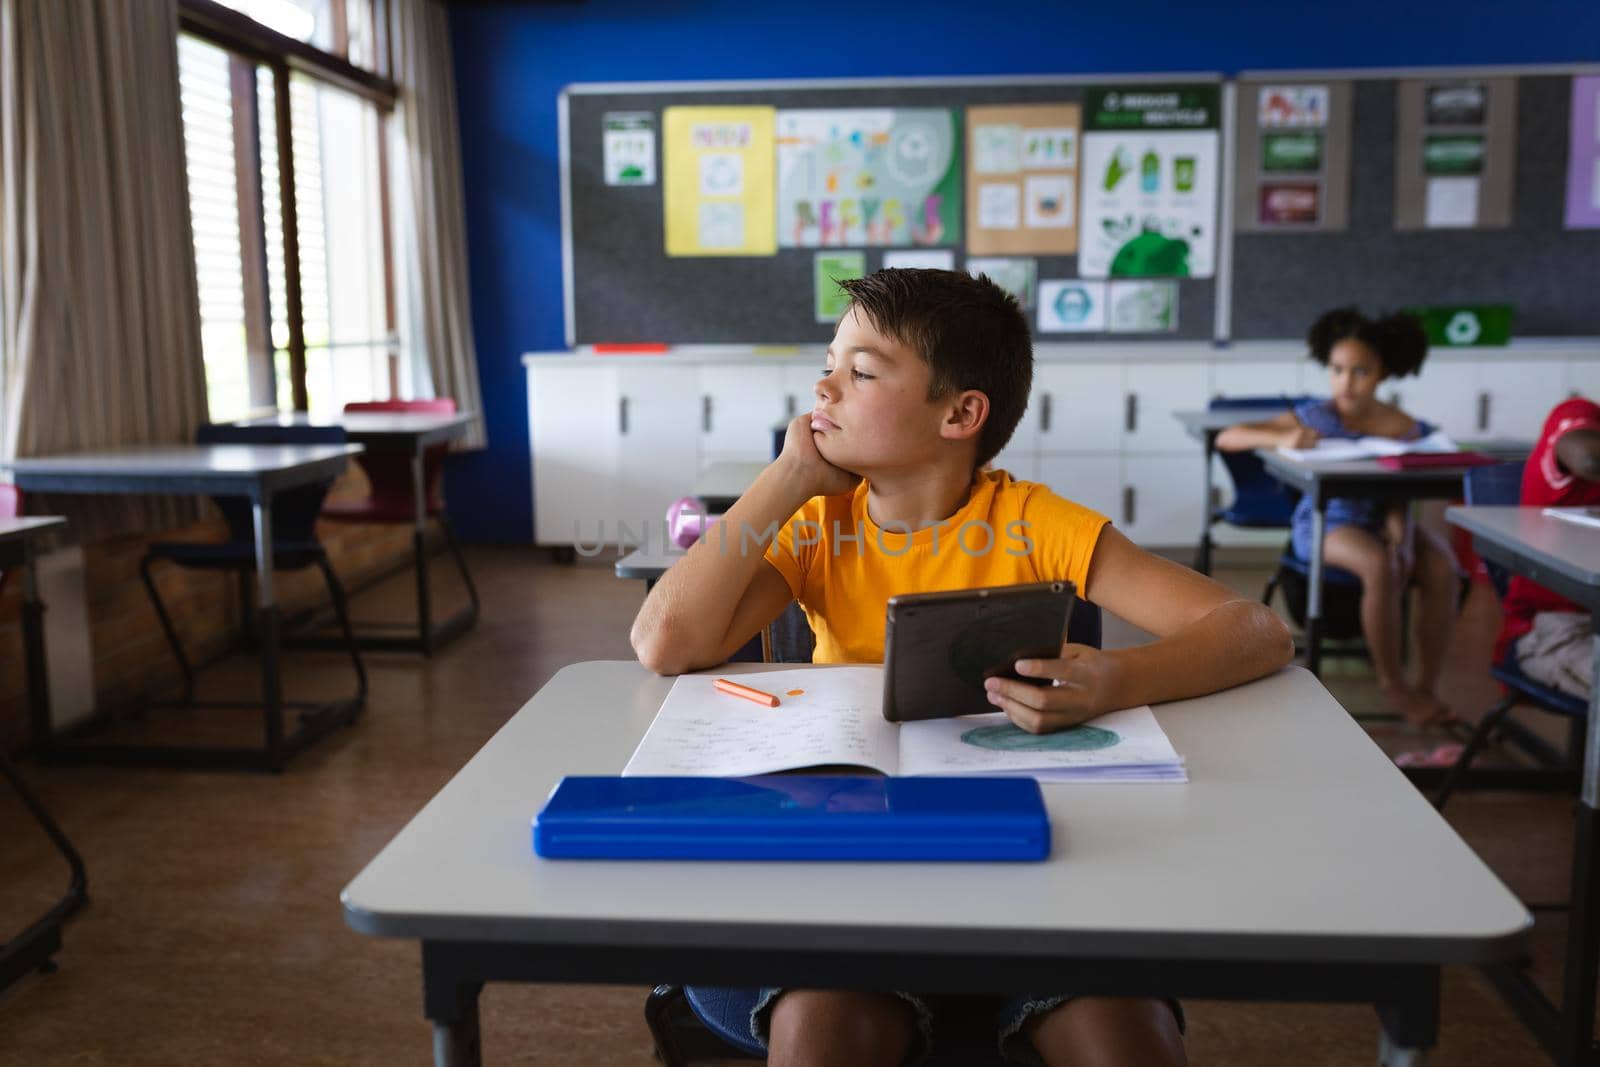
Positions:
{"x": 939, "y": 647}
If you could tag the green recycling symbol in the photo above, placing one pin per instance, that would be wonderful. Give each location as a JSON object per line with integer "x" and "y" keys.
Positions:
{"x": 1463, "y": 328}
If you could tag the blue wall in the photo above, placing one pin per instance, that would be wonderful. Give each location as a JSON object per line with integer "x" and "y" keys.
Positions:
{"x": 513, "y": 59}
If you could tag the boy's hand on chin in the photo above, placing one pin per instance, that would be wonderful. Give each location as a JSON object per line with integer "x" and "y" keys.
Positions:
{"x": 1083, "y": 678}
{"x": 801, "y": 458}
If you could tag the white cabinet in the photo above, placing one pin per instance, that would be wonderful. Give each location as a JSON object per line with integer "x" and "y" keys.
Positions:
{"x": 1091, "y": 480}
{"x": 657, "y": 454}
{"x": 610, "y": 449}
{"x": 1077, "y": 407}
{"x": 1448, "y": 393}
{"x": 737, "y": 407}
{"x": 1023, "y": 463}
{"x": 1584, "y": 379}
{"x": 1255, "y": 378}
{"x": 574, "y": 429}
{"x": 1520, "y": 394}
{"x": 618, "y": 438}
{"x": 1161, "y": 502}
{"x": 1152, "y": 392}
{"x": 1506, "y": 398}
{"x": 800, "y": 386}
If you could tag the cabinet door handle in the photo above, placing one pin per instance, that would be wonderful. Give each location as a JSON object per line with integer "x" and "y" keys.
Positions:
{"x": 1044, "y": 412}
{"x": 1130, "y": 416}
{"x": 705, "y": 413}
{"x": 1483, "y": 410}
{"x": 622, "y": 414}
{"x": 1130, "y": 498}
{"x": 789, "y": 406}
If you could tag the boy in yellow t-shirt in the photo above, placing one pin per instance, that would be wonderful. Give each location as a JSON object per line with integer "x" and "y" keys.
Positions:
{"x": 882, "y": 489}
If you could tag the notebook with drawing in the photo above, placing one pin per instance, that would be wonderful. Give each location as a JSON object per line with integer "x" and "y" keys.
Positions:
{"x": 832, "y": 716}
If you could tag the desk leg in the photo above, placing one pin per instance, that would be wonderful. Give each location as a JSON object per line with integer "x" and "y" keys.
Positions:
{"x": 1410, "y": 1027}
{"x": 267, "y": 627}
{"x": 1576, "y": 1036}
{"x": 1314, "y": 588}
{"x": 419, "y": 548}
{"x": 37, "y": 671}
{"x": 1202, "y": 562}
{"x": 450, "y": 1001}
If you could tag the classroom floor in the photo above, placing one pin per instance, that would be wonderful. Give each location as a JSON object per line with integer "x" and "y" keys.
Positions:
{"x": 214, "y": 933}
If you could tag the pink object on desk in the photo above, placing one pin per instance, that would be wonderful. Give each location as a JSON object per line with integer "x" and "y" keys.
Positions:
{"x": 687, "y": 520}
{"x": 1413, "y": 460}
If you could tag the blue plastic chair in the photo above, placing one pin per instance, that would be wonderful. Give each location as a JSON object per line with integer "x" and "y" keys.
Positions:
{"x": 1501, "y": 486}
{"x": 1260, "y": 501}
{"x": 711, "y": 1022}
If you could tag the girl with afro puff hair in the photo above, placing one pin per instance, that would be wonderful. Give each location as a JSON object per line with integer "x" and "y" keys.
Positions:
{"x": 1368, "y": 538}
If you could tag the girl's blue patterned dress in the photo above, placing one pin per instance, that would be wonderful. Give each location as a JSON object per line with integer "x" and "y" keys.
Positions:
{"x": 1321, "y": 416}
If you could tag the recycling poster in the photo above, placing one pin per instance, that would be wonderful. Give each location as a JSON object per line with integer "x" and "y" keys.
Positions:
{"x": 1151, "y": 161}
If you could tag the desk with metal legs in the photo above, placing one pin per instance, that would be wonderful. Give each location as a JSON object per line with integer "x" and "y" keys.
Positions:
{"x": 1361, "y": 479}
{"x": 1564, "y": 557}
{"x": 256, "y": 472}
{"x": 413, "y": 433}
{"x": 1296, "y": 865}
{"x": 31, "y": 949}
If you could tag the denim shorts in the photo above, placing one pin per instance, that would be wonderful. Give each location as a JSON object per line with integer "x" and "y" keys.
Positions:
{"x": 934, "y": 1015}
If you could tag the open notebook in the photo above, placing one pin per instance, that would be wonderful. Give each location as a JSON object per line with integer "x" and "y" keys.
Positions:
{"x": 1583, "y": 516}
{"x": 1332, "y": 450}
{"x": 836, "y": 719}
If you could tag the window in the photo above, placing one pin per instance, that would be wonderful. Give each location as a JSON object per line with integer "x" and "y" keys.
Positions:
{"x": 344, "y": 28}
{"x": 222, "y": 142}
{"x": 322, "y": 333}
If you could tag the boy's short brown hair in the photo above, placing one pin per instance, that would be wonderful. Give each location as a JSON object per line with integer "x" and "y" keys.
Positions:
{"x": 970, "y": 332}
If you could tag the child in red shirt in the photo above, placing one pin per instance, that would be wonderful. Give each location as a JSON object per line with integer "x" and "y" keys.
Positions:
{"x": 1549, "y": 635}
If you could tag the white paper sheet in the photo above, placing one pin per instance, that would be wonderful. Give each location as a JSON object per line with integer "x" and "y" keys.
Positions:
{"x": 1334, "y": 450}
{"x": 1452, "y": 203}
{"x": 701, "y": 730}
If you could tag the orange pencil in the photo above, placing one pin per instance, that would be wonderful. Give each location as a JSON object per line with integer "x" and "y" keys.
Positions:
{"x": 735, "y": 689}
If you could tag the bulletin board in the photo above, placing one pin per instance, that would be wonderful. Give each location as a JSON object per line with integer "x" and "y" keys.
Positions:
{"x": 1426, "y": 187}
{"x": 674, "y": 248}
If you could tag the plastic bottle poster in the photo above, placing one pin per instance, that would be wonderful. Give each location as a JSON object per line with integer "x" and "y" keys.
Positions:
{"x": 1149, "y": 182}
{"x": 868, "y": 177}
{"x": 717, "y": 185}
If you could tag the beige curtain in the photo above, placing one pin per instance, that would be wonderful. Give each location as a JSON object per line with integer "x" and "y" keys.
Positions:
{"x": 430, "y": 216}
{"x": 98, "y": 307}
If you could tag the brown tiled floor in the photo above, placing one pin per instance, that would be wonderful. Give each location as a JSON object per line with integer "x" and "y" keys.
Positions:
{"x": 214, "y": 935}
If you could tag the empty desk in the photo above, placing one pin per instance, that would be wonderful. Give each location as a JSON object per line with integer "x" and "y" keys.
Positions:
{"x": 256, "y": 472}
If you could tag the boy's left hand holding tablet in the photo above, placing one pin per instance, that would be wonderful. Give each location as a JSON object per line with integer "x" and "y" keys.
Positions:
{"x": 1082, "y": 684}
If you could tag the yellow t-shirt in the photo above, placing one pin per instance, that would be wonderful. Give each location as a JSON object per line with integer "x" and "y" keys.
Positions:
{"x": 843, "y": 568}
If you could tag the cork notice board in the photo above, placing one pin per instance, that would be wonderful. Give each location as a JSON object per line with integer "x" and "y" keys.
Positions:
{"x": 1022, "y": 179}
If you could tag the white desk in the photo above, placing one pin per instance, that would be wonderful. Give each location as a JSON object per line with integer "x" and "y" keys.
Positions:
{"x": 1564, "y": 557}
{"x": 1297, "y": 865}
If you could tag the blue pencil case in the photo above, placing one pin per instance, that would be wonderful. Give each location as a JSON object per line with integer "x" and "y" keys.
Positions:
{"x": 794, "y": 817}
